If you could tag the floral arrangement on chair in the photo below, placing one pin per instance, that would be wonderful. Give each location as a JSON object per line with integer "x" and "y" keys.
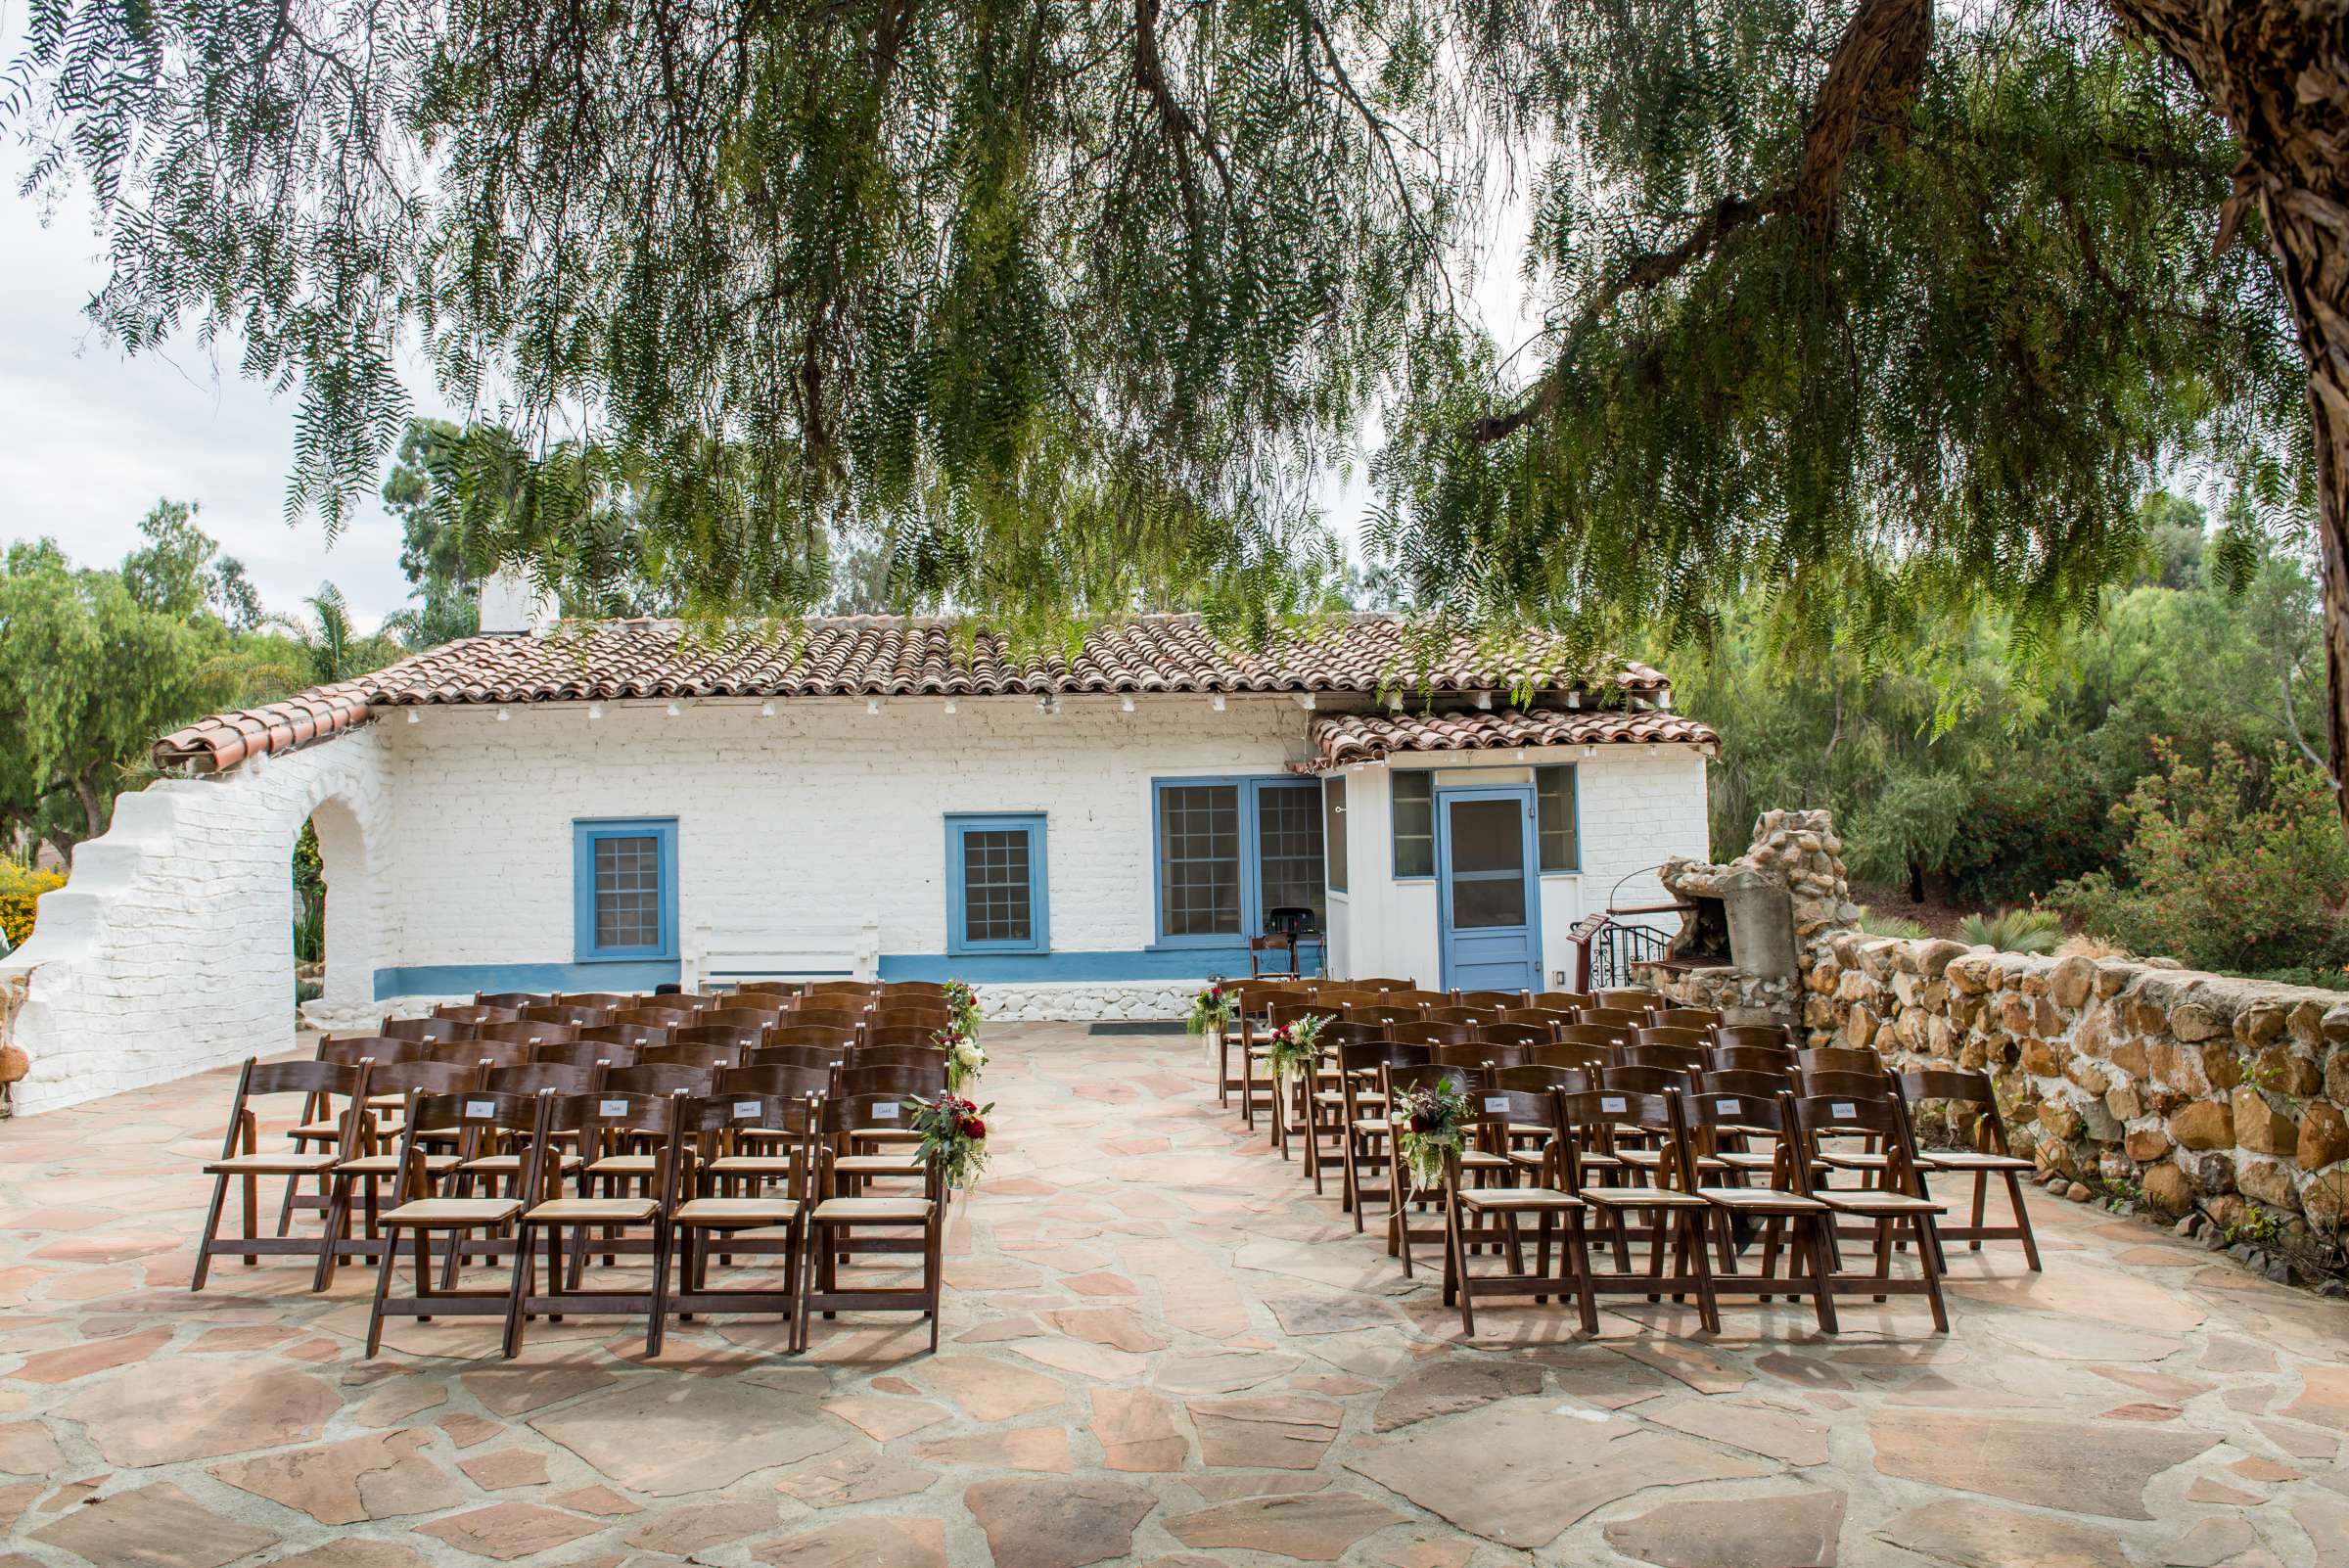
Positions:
{"x": 964, "y": 1056}
{"x": 1430, "y": 1125}
{"x": 1212, "y": 1010}
{"x": 1294, "y": 1048}
{"x": 953, "y": 1137}
{"x": 963, "y": 1003}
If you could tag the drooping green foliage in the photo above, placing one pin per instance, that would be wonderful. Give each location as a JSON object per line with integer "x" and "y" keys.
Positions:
{"x": 2014, "y": 930}
{"x": 1951, "y": 774}
{"x": 441, "y": 580}
{"x": 1058, "y": 310}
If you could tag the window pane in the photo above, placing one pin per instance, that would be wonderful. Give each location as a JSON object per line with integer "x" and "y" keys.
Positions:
{"x": 1414, "y": 823}
{"x": 1333, "y": 830}
{"x": 1555, "y": 823}
{"x": 628, "y": 892}
{"x": 995, "y": 887}
{"x": 1487, "y": 899}
{"x": 1288, "y": 851}
{"x": 1199, "y": 859}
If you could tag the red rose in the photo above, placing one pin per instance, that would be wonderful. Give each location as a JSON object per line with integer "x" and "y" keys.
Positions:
{"x": 973, "y": 1127}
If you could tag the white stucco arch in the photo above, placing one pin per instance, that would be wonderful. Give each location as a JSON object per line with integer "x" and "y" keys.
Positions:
{"x": 171, "y": 949}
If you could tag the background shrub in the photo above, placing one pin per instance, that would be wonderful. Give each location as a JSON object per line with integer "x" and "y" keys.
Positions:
{"x": 20, "y": 887}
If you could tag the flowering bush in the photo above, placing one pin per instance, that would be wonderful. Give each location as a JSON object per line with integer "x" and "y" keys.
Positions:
{"x": 953, "y": 1137}
{"x": 965, "y": 1057}
{"x": 1295, "y": 1047}
{"x": 1430, "y": 1125}
{"x": 963, "y": 1003}
{"x": 21, "y": 889}
{"x": 1211, "y": 1010}
{"x": 2222, "y": 873}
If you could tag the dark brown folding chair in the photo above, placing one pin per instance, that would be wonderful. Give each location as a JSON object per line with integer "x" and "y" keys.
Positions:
{"x": 1364, "y": 1147}
{"x": 476, "y": 1013}
{"x": 1752, "y": 1034}
{"x": 586, "y": 1053}
{"x": 822, "y": 1035}
{"x": 736, "y": 1191}
{"x": 1897, "y": 1200}
{"x": 602, "y": 1122}
{"x": 1597, "y": 1125}
{"x": 1490, "y": 998}
{"x": 475, "y": 1119}
{"x": 512, "y": 1000}
{"x": 375, "y": 1159}
{"x": 245, "y": 1160}
{"x": 1779, "y": 1201}
{"x": 1396, "y": 1086}
{"x": 1491, "y": 1216}
{"x": 427, "y": 1029}
{"x": 1991, "y": 1156}
{"x": 839, "y": 1223}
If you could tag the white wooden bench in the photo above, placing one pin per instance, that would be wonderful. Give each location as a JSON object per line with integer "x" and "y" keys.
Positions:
{"x": 715, "y": 959}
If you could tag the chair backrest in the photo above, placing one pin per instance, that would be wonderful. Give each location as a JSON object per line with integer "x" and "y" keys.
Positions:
{"x": 785, "y": 988}
{"x": 1741, "y": 1081}
{"x": 479, "y": 1114}
{"x": 1563, "y": 1001}
{"x": 707, "y": 1058}
{"x": 660, "y": 1078}
{"x": 340, "y": 1081}
{"x": 936, "y": 990}
{"x": 1579, "y": 1034}
{"x": 1839, "y": 1059}
{"x": 1679, "y": 1058}
{"x": 814, "y": 1058}
{"x": 1498, "y": 1033}
{"x": 786, "y": 1080}
{"x": 1397, "y": 1082}
{"x": 585, "y": 1053}
{"x": 1458, "y": 1013}
{"x": 1613, "y": 1018}
{"x": 474, "y": 1052}
{"x": 1594, "y": 1119}
{"x": 1538, "y": 1017}
{"x": 531, "y": 1032}
{"x": 428, "y": 1028}
{"x": 921, "y": 1015}
{"x": 695, "y": 1001}
{"x": 1420, "y": 1031}
{"x": 1582, "y": 1058}
{"x": 925, "y": 1035}
{"x": 838, "y": 988}
{"x": 565, "y": 1013}
{"x": 1488, "y": 999}
{"x": 1364, "y": 1057}
{"x": 1966, "y": 1087}
{"x": 474, "y": 1013}
{"x": 615, "y": 1116}
{"x": 423, "y": 1076}
{"x": 707, "y": 1119}
{"x": 1863, "y": 1086}
{"x": 1537, "y": 1078}
{"x": 1378, "y": 983}
{"x": 637, "y": 1036}
{"x": 824, "y": 1018}
{"x": 746, "y": 1018}
{"x": 1483, "y": 1052}
{"x": 1414, "y": 996}
{"x": 1629, "y": 999}
{"x": 865, "y": 1055}
{"x": 533, "y": 1078}
{"x": 813, "y": 1036}
{"x": 1644, "y": 1080}
{"x": 604, "y": 1000}
{"x": 735, "y": 1037}
{"x": 1750, "y": 1059}
{"x": 1708, "y": 1113}
{"x": 1287, "y": 1010}
{"x": 510, "y": 1000}
{"x": 1706, "y": 1019}
{"x": 1752, "y": 1034}
{"x": 378, "y": 1048}
{"x": 1695, "y": 1040}
{"x": 874, "y": 1087}
{"x": 1379, "y": 1013}
{"x": 656, "y": 1017}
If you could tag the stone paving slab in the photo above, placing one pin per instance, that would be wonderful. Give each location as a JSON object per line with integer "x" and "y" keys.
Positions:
{"x": 1160, "y": 1347}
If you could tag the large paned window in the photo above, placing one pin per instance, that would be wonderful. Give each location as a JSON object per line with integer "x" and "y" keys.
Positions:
{"x": 1558, "y": 818}
{"x": 624, "y": 889}
{"x": 996, "y": 885}
{"x": 1413, "y": 816}
{"x": 1230, "y": 848}
{"x": 1333, "y": 829}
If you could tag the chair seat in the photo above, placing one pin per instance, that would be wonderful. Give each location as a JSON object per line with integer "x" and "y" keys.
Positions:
{"x": 886, "y": 1135}
{"x": 1640, "y": 1198}
{"x": 435, "y": 1214}
{"x": 1510, "y": 1199}
{"x": 388, "y": 1164}
{"x": 599, "y": 1211}
{"x": 1854, "y": 1162}
{"x": 510, "y": 1163}
{"x": 284, "y": 1162}
{"x": 750, "y": 1165}
{"x": 1972, "y": 1160}
{"x": 1880, "y": 1205}
{"x": 871, "y": 1211}
{"x": 1761, "y": 1200}
{"x": 313, "y": 1132}
{"x": 719, "y": 1213}
{"x": 1377, "y": 1125}
{"x": 877, "y": 1165}
{"x": 1480, "y": 1160}
{"x": 625, "y": 1165}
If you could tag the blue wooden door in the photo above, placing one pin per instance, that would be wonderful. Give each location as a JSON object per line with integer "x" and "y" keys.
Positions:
{"x": 1490, "y": 891}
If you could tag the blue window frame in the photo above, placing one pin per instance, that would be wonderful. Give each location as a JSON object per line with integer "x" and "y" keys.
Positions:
{"x": 623, "y": 883}
{"x": 995, "y": 884}
{"x": 1227, "y": 850}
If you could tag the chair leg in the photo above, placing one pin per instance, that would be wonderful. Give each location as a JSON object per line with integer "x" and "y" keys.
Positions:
{"x": 211, "y": 1227}
{"x": 933, "y": 1261}
{"x": 1928, "y": 1256}
{"x": 659, "y": 1319}
{"x": 383, "y": 1292}
{"x": 2022, "y": 1221}
{"x": 518, "y": 1288}
{"x": 1577, "y": 1261}
{"x": 1708, "y": 1301}
{"x": 1822, "y": 1293}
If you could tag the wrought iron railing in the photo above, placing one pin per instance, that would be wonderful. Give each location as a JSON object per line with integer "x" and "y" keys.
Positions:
{"x": 1609, "y": 946}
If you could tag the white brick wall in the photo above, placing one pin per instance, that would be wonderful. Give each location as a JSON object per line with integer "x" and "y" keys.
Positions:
{"x": 171, "y": 949}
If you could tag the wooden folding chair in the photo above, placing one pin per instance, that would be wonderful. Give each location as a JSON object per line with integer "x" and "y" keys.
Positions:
{"x": 431, "y": 1031}
{"x": 244, "y": 1160}
{"x": 1781, "y": 1203}
{"x": 1396, "y": 1084}
{"x": 1991, "y": 1156}
{"x": 834, "y": 1215}
{"x": 376, "y": 1156}
{"x": 1491, "y": 1216}
{"x": 1595, "y": 1125}
{"x": 603, "y": 1122}
{"x": 750, "y": 1155}
{"x": 475, "y": 1119}
{"x": 1898, "y": 1200}
{"x": 1367, "y": 1128}
{"x": 1491, "y": 998}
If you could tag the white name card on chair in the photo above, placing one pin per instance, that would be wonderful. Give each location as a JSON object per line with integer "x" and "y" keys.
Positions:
{"x": 1497, "y": 1102}
{"x": 612, "y": 1108}
{"x": 1614, "y": 1105}
{"x": 746, "y": 1108}
{"x": 885, "y": 1111}
{"x": 480, "y": 1108}
{"x": 1726, "y": 1107}
{"x": 1843, "y": 1108}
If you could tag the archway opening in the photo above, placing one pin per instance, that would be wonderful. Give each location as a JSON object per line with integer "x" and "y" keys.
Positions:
{"x": 309, "y": 915}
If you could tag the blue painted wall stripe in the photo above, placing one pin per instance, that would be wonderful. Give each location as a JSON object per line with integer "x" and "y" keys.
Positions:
{"x": 1043, "y": 968}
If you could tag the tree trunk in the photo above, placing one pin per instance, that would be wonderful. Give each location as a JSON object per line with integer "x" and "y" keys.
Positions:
{"x": 2278, "y": 72}
{"x": 93, "y": 802}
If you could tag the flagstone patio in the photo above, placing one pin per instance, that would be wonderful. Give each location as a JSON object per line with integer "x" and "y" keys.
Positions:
{"x": 1160, "y": 1347}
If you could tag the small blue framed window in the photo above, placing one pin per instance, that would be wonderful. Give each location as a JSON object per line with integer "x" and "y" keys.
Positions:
{"x": 995, "y": 884}
{"x": 624, "y": 887}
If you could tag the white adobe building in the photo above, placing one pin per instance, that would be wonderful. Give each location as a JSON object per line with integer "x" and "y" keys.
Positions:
{"x": 619, "y": 807}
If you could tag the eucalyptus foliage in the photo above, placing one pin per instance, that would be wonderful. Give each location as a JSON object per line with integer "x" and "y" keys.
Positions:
{"x": 1868, "y": 309}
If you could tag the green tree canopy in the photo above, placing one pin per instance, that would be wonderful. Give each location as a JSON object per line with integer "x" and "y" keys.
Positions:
{"x": 1873, "y": 307}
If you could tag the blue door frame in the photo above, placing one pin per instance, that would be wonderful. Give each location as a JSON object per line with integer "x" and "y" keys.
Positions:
{"x": 1490, "y": 957}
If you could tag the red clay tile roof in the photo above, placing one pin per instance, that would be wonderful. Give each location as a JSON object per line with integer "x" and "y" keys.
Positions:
{"x": 1343, "y": 738}
{"x": 863, "y": 656}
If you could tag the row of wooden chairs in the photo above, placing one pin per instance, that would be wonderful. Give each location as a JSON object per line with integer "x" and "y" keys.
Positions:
{"x": 488, "y": 1185}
